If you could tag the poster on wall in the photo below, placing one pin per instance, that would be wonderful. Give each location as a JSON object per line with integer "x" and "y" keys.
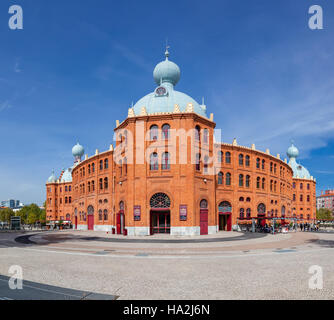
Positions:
{"x": 183, "y": 212}
{"x": 136, "y": 213}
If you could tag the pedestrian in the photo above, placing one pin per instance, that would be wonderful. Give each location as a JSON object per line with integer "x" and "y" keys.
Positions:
{"x": 301, "y": 227}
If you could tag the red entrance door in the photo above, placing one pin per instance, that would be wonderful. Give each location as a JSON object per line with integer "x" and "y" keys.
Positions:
{"x": 204, "y": 221}
{"x": 90, "y": 222}
{"x": 160, "y": 222}
{"x": 120, "y": 222}
{"x": 225, "y": 221}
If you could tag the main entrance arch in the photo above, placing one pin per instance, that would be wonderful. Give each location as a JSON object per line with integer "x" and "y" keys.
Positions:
{"x": 160, "y": 213}
{"x": 225, "y": 216}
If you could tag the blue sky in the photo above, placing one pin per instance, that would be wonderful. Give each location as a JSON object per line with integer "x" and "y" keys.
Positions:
{"x": 77, "y": 66}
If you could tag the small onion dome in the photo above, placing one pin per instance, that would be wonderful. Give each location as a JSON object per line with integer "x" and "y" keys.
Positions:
{"x": 52, "y": 178}
{"x": 78, "y": 150}
{"x": 167, "y": 71}
{"x": 292, "y": 152}
{"x": 67, "y": 176}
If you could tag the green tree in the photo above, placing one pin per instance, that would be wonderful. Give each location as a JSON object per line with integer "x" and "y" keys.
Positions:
{"x": 6, "y": 214}
{"x": 324, "y": 214}
{"x": 31, "y": 214}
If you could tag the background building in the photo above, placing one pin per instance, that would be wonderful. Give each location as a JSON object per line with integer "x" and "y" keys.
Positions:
{"x": 326, "y": 200}
{"x": 12, "y": 204}
{"x": 156, "y": 192}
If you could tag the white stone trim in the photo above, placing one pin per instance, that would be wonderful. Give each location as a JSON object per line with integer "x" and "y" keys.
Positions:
{"x": 213, "y": 229}
{"x": 82, "y": 227}
{"x": 138, "y": 231}
{"x": 185, "y": 231}
{"x": 103, "y": 227}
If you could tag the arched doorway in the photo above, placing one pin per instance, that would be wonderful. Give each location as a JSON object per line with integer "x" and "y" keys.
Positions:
{"x": 160, "y": 213}
{"x": 261, "y": 214}
{"x": 120, "y": 219}
{"x": 90, "y": 217}
{"x": 204, "y": 217}
{"x": 225, "y": 216}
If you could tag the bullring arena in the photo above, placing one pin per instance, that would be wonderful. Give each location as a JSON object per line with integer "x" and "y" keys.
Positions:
{"x": 168, "y": 173}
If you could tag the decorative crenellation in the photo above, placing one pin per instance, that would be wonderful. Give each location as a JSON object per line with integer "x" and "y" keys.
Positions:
{"x": 131, "y": 113}
{"x": 143, "y": 111}
{"x": 190, "y": 107}
{"x": 176, "y": 109}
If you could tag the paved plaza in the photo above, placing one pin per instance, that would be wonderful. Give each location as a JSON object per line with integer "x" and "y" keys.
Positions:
{"x": 227, "y": 265}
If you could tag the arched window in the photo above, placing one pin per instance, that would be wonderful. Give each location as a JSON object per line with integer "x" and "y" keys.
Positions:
{"x": 121, "y": 206}
{"x": 258, "y": 182}
{"x": 301, "y": 198}
{"x": 242, "y": 213}
{"x": 203, "y": 204}
{"x": 248, "y": 213}
{"x": 198, "y": 162}
{"x": 165, "y": 161}
{"x": 241, "y": 180}
{"x": 88, "y": 186}
{"x": 100, "y": 214}
{"x": 101, "y": 183}
{"x": 261, "y": 208}
{"x": 263, "y": 164}
{"x": 105, "y": 163}
{"x": 69, "y": 199}
{"x": 220, "y": 178}
{"x": 205, "y": 167}
{"x": 247, "y": 161}
{"x": 283, "y": 211}
{"x": 293, "y": 197}
{"x": 257, "y": 163}
{"x": 101, "y": 164}
{"x": 206, "y": 136}
{"x": 271, "y": 167}
{"x": 105, "y": 183}
{"x": 227, "y": 157}
{"x": 93, "y": 185}
{"x": 125, "y": 162}
{"x": 241, "y": 159}
{"x": 90, "y": 210}
{"x": 220, "y": 157}
{"x": 154, "y": 161}
{"x": 225, "y": 206}
{"x": 228, "y": 179}
{"x": 247, "y": 181}
{"x": 160, "y": 200}
{"x": 165, "y": 131}
{"x": 263, "y": 183}
{"x": 105, "y": 214}
{"x": 276, "y": 212}
{"x": 248, "y": 199}
{"x": 241, "y": 199}
{"x": 197, "y": 133}
{"x": 65, "y": 199}
{"x": 89, "y": 169}
{"x": 154, "y": 132}
{"x": 93, "y": 167}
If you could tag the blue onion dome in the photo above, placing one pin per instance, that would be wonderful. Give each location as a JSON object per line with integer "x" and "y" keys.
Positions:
{"x": 67, "y": 175}
{"x": 167, "y": 71}
{"x": 299, "y": 171}
{"x": 78, "y": 151}
{"x": 52, "y": 178}
{"x": 165, "y": 99}
{"x": 292, "y": 152}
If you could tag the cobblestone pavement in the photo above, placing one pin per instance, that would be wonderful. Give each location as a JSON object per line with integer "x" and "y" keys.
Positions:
{"x": 266, "y": 267}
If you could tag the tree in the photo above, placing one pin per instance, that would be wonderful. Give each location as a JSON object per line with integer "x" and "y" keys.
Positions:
{"x": 31, "y": 214}
{"x": 6, "y": 214}
{"x": 324, "y": 214}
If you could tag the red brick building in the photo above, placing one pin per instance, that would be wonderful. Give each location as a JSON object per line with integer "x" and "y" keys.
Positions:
{"x": 168, "y": 174}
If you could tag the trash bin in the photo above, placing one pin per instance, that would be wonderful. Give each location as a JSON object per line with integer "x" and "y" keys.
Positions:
{"x": 125, "y": 232}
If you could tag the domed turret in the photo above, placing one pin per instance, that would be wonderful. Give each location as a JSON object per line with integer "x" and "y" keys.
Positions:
{"x": 52, "y": 178}
{"x": 299, "y": 171}
{"x": 292, "y": 152}
{"x": 78, "y": 151}
{"x": 166, "y": 71}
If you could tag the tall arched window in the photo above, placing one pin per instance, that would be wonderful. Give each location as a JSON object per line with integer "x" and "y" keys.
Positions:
{"x": 93, "y": 185}
{"x": 154, "y": 132}
{"x": 88, "y": 185}
{"x": 220, "y": 157}
{"x": 220, "y": 178}
{"x": 121, "y": 206}
{"x": 198, "y": 162}
{"x": 241, "y": 159}
{"x": 106, "y": 164}
{"x": 247, "y": 181}
{"x": 258, "y": 182}
{"x": 105, "y": 214}
{"x": 100, "y": 215}
{"x": 154, "y": 161}
{"x": 93, "y": 167}
{"x": 101, "y": 164}
{"x": 228, "y": 179}
{"x": 165, "y": 161}
{"x": 89, "y": 169}
{"x": 105, "y": 183}
{"x": 197, "y": 133}
{"x": 125, "y": 162}
{"x": 165, "y": 131}
{"x": 257, "y": 163}
{"x": 227, "y": 157}
{"x": 206, "y": 160}
{"x": 247, "y": 161}
{"x": 101, "y": 183}
{"x": 241, "y": 180}
{"x": 242, "y": 213}
{"x": 206, "y": 136}
{"x": 263, "y": 164}
{"x": 248, "y": 213}
{"x": 263, "y": 183}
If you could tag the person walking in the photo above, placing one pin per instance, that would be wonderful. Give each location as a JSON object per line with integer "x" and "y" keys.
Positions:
{"x": 301, "y": 227}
